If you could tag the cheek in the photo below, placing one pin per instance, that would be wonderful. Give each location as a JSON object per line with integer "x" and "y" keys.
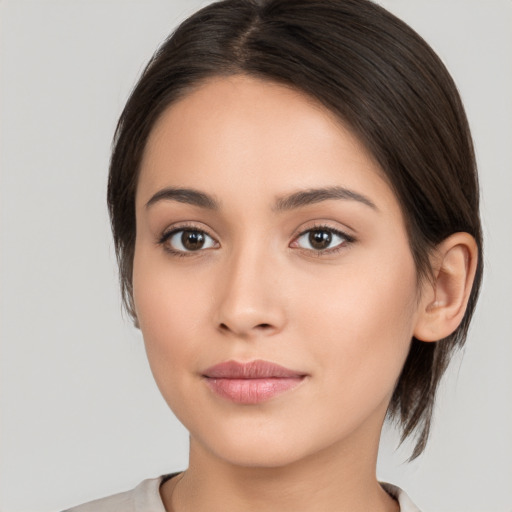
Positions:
{"x": 171, "y": 314}
{"x": 166, "y": 298}
{"x": 364, "y": 324}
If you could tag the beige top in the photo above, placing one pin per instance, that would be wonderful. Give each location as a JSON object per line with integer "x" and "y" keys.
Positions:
{"x": 146, "y": 498}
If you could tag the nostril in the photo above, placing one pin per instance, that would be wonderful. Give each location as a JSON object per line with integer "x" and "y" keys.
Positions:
{"x": 262, "y": 327}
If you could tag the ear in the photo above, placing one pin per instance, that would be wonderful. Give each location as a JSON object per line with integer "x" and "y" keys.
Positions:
{"x": 445, "y": 297}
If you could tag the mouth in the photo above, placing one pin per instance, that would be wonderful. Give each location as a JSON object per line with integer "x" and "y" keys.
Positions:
{"x": 251, "y": 383}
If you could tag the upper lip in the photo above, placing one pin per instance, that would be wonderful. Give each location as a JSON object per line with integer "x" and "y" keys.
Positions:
{"x": 258, "y": 369}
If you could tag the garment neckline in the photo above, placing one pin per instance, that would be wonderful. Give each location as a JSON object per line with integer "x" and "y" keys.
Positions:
{"x": 398, "y": 494}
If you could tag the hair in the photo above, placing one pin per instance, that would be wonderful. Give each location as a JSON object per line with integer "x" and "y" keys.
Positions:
{"x": 382, "y": 80}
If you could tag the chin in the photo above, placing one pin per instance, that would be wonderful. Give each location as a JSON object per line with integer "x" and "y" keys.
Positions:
{"x": 262, "y": 446}
{"x": 258, "y": 454}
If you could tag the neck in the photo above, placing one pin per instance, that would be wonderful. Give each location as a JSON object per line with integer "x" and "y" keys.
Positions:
{"x": 336, "y": 479}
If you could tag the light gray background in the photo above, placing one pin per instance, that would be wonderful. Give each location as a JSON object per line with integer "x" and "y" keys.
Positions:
{"x": 80, "y": 414}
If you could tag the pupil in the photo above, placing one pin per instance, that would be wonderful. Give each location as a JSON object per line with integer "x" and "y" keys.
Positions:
{"x": 192, "y": 240}
{"x": 320, "y": 239}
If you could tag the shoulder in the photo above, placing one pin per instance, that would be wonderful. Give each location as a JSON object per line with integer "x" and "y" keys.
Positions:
{"x": 143, "y": 498}
{"x": 406, "y": 505}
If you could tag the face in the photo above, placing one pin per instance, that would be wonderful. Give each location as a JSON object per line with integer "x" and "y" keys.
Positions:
{"x": 273, "y": 280}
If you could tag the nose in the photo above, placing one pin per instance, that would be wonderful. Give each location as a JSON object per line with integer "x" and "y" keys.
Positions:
{"x": 250, "y": 300}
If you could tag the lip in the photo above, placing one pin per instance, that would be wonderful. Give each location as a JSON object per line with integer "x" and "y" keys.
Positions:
{"x": 251, "y": 383}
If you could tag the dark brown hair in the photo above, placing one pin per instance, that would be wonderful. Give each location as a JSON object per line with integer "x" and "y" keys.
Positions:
{"x": 381, "y": 79}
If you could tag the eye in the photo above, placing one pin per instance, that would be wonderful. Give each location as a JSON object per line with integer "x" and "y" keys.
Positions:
{"x": 322, "y": 239}
{"x": 187, "y": 240}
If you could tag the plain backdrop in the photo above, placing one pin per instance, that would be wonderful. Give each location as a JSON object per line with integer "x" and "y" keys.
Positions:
{"x": 80, "y": 414}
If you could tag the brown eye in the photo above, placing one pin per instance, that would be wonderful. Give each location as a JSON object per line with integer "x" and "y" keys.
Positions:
{"x": 189, "y": 240}
{"x": 320, "y": 240}
{"x": 192, "y": 240}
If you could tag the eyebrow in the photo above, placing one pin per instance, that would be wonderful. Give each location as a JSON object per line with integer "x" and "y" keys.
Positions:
{"x": 290, "y": 202}
{"x": 185, "y": 195}
{"x": 317, "y": 195}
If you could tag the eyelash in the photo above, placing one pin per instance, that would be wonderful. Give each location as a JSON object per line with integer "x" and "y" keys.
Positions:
{"x": 347, "y": 240}
{"x": 167, "y": 235}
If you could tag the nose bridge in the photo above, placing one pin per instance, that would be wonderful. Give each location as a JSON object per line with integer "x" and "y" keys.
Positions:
{"x": 250, "y": 299}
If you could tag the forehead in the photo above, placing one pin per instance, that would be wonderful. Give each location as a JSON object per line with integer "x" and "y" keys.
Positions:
{"x": 235, "y": 133}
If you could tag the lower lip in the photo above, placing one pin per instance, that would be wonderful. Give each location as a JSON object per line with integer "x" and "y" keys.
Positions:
{"x": 252, "y": 391}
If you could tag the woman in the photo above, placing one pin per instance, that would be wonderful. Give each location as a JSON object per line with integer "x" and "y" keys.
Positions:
{"x": 294, "y": 202}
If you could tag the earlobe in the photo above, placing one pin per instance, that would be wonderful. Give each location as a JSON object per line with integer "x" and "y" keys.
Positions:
{"x": 445, "y": 297}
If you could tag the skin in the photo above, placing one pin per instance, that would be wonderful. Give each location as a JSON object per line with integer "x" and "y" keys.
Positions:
{"x": 344, "y": 316}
